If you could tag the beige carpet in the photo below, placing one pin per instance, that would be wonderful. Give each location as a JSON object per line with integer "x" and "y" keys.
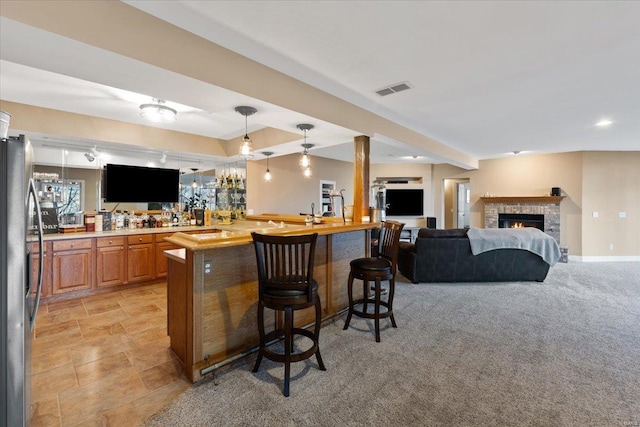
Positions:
{"x": 565, "y": 352}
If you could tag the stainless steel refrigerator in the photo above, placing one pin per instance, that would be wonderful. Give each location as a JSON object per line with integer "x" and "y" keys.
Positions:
{"x": 20, "y": 236}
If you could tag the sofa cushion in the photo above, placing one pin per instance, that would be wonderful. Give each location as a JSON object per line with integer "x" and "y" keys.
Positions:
{"x": 453, "y": 233}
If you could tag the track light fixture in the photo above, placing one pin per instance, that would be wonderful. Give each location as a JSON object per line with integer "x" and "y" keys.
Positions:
{"x": 246, "y": 148}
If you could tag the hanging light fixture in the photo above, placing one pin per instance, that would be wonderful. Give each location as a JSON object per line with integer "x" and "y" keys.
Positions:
{"x": 267, "y": 173}
{"x": 305, "y": 159}
{"x": 158, "y": 112}
{"x": 194, "y": 184}
{"x": 246, "y": 149}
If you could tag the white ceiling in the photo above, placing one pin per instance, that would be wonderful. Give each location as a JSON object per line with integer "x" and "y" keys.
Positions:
{"x": 488, "y": 78}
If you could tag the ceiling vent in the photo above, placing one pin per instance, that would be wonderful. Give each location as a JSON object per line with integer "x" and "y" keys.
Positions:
{"x": 398, "y": 87}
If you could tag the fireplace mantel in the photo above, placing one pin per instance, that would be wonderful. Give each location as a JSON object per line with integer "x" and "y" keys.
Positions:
{"x": 523, "y": 199}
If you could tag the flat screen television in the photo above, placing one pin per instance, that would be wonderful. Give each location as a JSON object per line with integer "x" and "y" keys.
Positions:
{"x": 405, "y": 202}
{"x": 136, "y": 184}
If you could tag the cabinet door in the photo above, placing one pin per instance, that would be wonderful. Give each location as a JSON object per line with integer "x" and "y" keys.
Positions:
{"x": 110, "y": 266}
{"x": 161, "y": 260}
{"x": 72, "y": 270}
{"x": 140, "y": 262}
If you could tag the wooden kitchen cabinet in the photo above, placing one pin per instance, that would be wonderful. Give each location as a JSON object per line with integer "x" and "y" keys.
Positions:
{"x": 72, "y": 265}
{"x": 140, "y": 258}
{"x": 161, "y": 260}
{"x": 111, "y": 261}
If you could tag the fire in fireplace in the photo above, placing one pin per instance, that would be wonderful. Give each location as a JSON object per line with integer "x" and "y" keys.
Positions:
{"x": 518, "y": 220}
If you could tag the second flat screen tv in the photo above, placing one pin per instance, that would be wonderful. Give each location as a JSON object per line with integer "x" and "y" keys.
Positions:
{"x": 136, "y": 184}
{"x": 405, "y": 202}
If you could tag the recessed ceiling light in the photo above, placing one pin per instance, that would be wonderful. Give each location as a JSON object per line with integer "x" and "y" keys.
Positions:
{"x": 603, "y": 123}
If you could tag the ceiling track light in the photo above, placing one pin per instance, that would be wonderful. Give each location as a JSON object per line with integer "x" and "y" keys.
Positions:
{"x": 246, "y": 148}
{"x": 89, "y": 157}
{"x": 158, "y": 112}
{"x": 267, "y": 173}
{"x": 163, "y": 159}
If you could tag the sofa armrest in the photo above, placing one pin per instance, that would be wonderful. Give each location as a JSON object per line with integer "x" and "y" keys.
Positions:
{"x": 407, "y": 260}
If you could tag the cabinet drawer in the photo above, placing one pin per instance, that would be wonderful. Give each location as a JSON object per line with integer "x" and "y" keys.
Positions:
{"x": 140, "y": 238}
{"x": 65, "y": 245}
{"x": 161, "y": 236}
{"x": 105, "y": 242}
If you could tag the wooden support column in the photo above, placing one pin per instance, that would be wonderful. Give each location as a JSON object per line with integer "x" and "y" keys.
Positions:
{"x": 361, "y": 178}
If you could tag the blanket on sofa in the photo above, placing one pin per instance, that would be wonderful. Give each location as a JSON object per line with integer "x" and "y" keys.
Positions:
{"x": 528, "y": 238}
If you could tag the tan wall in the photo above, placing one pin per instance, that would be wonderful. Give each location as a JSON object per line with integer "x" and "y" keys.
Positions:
{"x": 607, "y": 182}
{"x": 611, "y": 184}
{"x": 289, "y": 192}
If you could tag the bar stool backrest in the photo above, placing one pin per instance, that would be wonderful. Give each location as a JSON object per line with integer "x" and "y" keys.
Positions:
{"x": 285, "y": 263}
{"x": 389, "y": 241}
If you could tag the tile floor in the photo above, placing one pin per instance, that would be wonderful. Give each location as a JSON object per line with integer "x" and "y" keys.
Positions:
{"x": 104, "y": 360}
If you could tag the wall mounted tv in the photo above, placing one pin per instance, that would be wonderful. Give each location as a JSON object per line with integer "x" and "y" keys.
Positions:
{"x": 136, "y": 184}
{"x": 405, "y": 202}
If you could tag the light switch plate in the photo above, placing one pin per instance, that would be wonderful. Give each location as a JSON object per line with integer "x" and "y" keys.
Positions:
{"x": 622, "y": 214}
{"x": 595, "y": 214}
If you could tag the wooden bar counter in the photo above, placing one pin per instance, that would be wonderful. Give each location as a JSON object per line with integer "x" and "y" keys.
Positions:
{"x": 212, "y": 285}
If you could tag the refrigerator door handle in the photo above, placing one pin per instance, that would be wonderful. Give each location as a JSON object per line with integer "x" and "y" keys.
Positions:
{"x": 33, "y": 193}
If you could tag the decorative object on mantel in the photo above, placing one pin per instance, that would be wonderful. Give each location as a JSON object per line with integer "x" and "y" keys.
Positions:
{"x": 522, "y": 199}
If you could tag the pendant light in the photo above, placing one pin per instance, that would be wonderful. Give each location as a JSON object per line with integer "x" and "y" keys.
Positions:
{"x": 158, "y": 112}
{"x": 267, "y": 173}
{"x": 194, "y": 184}
{"x": 246, "y": 148}
{"x": 305, "y": 159}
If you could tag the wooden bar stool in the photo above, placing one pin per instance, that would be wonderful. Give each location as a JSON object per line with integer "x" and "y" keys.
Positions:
{"x": 285, "y": 269}
{"x": 377, "y": 269}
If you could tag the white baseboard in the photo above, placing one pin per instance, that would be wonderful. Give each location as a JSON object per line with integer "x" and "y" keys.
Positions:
{"x": 577, "y": 258}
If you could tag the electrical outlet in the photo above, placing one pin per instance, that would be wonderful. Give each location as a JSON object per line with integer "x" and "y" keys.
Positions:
{"x": 622, "y": 214}
{"x": 610, "y": 246}
{"x": 595, "y": 214}
{"x": 207, "y": 267}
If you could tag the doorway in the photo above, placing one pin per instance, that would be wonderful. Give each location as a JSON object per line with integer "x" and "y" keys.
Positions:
{"x": 463, "y": 204}
{"x": 457, "y": 203}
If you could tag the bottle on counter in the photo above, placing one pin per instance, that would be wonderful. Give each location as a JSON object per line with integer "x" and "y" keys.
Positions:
{"x": 207, "y": 216}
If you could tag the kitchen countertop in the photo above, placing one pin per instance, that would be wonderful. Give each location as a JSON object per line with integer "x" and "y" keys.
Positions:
{"x": 127, "y": 232}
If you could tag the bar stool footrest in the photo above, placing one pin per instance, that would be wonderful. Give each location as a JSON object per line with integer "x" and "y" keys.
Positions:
{"x": 361, "y": 313}
{"x": 295, "y": 357}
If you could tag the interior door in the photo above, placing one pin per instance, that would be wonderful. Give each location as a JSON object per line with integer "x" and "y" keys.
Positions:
{"x": 464, "y": 205}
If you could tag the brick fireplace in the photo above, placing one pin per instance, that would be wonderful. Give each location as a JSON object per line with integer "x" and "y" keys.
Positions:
{"x": 547, "y": 207}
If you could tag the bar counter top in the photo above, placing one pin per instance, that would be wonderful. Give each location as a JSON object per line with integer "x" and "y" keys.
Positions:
{"x": 239, "y": 233}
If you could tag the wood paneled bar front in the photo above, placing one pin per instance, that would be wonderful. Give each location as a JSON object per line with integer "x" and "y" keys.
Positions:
{"x": 212, "y": 286}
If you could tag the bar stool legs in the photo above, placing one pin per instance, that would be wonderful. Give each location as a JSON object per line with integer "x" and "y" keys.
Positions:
{"x": 376, "y": 301}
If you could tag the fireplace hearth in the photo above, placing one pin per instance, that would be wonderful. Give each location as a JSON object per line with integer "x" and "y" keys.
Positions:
{"x": 519, "y": 220}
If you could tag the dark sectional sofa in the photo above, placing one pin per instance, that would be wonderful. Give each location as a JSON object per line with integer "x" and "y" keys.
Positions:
{"x": 445, "y": 256}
